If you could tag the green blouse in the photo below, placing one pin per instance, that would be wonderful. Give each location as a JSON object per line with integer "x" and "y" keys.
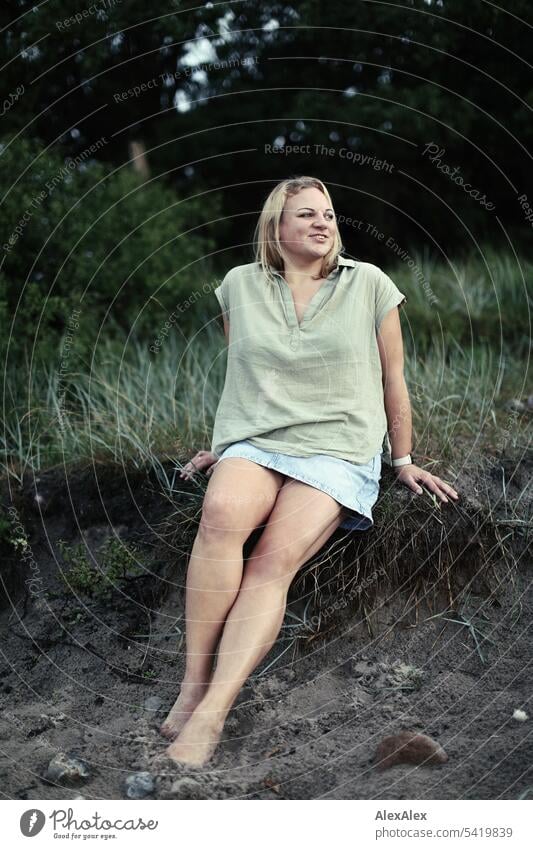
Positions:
{"x": 312, "y": 387}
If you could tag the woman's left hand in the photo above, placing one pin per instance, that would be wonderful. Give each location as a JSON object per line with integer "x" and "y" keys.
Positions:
{"x": 411, "y": 476}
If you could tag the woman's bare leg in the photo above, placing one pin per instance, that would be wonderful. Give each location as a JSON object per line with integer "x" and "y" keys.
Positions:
{"x": 215, "y": 570}
{"x": 302, "y": 520}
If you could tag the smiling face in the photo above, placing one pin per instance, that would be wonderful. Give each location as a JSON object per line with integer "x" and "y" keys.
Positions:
{"x": 307, "y": 225}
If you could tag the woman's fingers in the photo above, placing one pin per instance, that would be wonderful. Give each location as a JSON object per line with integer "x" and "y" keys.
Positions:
{"x": 188, "y": 470}
{"x": 201, "y": 460}
{"x": 429, "y": 481}
{"x": 432, "y": 484}
{"x": 445, "y": 487}
{"x": 441, "y": 488}
{"x": 410, "y": 480}
{"x": 449, "y": 490}
{"x": 414, "y": 481}
{"x": 212, "y": 468}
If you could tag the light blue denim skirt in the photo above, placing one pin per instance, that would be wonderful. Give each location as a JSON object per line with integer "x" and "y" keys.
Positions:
{"x": 354, "y": 486}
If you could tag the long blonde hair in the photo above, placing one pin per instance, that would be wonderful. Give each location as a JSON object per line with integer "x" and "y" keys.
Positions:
{"x": 268, "y": 250}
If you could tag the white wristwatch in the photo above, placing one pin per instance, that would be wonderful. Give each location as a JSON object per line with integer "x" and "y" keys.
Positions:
{"x": 402, "y": 461}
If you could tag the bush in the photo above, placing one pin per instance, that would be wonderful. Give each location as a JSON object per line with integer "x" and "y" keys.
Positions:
{"x": 92, "y": 239}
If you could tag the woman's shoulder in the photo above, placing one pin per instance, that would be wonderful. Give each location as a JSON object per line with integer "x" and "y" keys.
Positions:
{"x": 374, "y": 278}
{"x": 369, "y": 270}
{"x": 240, "y": 280}
{"x": 244, "y": 273}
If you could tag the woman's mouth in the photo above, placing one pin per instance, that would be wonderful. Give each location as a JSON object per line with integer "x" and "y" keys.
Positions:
{"x": 319, "y": 237}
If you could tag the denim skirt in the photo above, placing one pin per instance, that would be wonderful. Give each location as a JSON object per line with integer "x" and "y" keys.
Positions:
{"x": 355, "y": 486}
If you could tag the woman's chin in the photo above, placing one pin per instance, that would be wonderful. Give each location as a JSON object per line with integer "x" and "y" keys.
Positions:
{"x": 319, "y": 248}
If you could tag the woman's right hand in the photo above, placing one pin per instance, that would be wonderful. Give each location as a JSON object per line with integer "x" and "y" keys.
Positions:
{"x": 201, "y": 460}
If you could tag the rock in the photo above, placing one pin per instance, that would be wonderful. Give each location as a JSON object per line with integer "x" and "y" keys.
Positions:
{"x": 139, "y": 785}
{"x": 153, "y": 704}
{"x": 66, "y": 769}
{"x": 184, "y": 788}
{"x": 520, "y": 715}
{"x": 409, "y": 747}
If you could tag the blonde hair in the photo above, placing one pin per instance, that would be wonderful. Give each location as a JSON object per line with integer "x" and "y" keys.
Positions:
{"x": 268, "y": 250}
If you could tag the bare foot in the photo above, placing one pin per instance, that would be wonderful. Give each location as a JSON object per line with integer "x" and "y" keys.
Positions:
{"x": 201, "y": 460}
{"x": 197, "y": 741}
{"x": 190, "y": 696}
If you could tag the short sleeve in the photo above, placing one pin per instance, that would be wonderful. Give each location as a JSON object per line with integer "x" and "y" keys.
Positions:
{"x": 387, "y": 296}
{"x": 223, "y": 293}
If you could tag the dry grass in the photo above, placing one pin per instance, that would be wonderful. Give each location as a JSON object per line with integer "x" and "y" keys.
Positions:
{"x": 427, "y": 558}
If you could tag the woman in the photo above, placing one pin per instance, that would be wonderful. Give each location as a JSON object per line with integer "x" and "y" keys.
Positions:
{"x": 314, "y": 389}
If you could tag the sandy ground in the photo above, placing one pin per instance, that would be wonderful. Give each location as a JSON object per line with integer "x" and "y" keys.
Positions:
{"x": 75, "y": 679}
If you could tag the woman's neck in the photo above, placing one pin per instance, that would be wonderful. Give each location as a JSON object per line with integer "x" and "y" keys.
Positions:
{"x": 301, "y": 275}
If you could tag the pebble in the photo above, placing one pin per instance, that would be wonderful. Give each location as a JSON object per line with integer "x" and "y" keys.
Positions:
{"x": 520, "y": 715}
{"x": 409, "y": 747}
{"x": 153, "y": 703}
{"x": 139, "y": 785}
{"x": 67, "y": 769}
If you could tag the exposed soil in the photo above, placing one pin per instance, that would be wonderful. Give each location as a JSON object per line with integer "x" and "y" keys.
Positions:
{"x": 77, "y": 671}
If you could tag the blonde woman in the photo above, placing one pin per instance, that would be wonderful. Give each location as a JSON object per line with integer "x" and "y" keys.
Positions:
{"x": 314, "y": 394}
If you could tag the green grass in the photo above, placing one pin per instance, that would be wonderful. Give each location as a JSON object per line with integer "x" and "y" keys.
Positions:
{"x": 483, "y": 300}
{"x": 130, "y": 405}
{"x": 467, "y": 361}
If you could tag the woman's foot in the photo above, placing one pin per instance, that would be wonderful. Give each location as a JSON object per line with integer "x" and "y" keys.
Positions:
{"x": 190, "y": 696}
{"x": 197, "y": 741}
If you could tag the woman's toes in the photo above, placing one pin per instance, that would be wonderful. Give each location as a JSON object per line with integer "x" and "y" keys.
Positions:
{"x": 196, "y": 744}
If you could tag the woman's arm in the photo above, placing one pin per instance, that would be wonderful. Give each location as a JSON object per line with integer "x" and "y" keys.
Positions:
{"x": 398, "y": 409}
{"x": 204, "y": 459}
{"x": 226, "y": 326}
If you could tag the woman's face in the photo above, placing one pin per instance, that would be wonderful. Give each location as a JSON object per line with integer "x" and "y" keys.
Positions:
{"x": 307, "y": 225}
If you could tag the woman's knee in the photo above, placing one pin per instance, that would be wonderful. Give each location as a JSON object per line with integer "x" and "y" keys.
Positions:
{"x": 221, "y": 518}
{"x": 272, "y": 565}
{"x": 235, "y": 509}
{"x": 240, "y": 493}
